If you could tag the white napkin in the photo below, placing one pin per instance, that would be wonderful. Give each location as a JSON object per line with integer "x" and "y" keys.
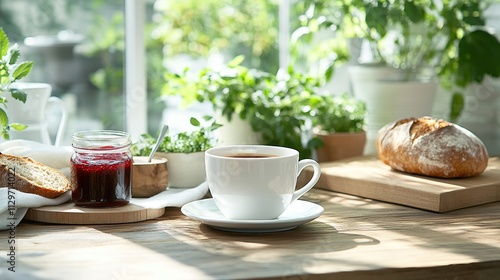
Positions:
{"x": 173, "y": 197}
{"x": 59, "y": 158}
{"x": 13, "y": 208}
{"x": 56, "y": 157}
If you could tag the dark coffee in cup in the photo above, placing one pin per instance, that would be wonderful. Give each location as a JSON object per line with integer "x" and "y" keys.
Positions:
{"x": 250, "y": 155}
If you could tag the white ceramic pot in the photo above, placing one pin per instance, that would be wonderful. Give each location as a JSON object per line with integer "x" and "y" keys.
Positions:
{"x": 185, "y": 170}
{"x": 390, "y": 99}
{"x": 234, "y": 132}
{"x": 32, "y": 113}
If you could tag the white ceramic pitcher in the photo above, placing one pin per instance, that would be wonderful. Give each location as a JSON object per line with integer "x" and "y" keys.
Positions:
{"x": 32, "y": 113}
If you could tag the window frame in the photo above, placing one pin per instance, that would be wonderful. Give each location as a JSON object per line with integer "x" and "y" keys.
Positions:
{"x": 136, "y": 117}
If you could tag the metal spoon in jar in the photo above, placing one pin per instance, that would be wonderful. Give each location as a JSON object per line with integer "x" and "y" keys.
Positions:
{"x": 164, "y": 131}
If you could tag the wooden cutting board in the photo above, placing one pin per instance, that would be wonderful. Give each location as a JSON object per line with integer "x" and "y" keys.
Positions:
{"x": 68, "y": 213}
{"x": 369, "y": 177}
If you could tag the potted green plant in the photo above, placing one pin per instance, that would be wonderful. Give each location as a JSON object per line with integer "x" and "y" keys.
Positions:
{"x": 339, "y": 122}
{"x": 283, "y": 111}
{"x": 412, "y": 43}
{"x": 448, "y": 37}
{"x": 253, "y": 106}
{"x": 11, "y": 70}
{"x": 185, "y": 152}
{"x": 230, "y": 90}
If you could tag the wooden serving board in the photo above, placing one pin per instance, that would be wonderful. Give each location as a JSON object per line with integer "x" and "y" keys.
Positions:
{"x": 369, "y": 177}
{"x": 68, "y": 213}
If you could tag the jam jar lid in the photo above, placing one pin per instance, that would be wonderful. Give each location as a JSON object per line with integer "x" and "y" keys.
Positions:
{"x": 101, "y": 140}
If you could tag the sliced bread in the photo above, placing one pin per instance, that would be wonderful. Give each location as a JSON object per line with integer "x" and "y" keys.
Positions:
{"x": 29, "y": 176}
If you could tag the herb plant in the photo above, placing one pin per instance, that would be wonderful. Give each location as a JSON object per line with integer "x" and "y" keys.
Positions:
{"x": 11, "y": 70}
{"x": 230, "y": 90}
{"x": 283, "y": 112}
{"x": 447, "y": 37}
{"x": 343, "y": 113}
{"x": 277, "y": 106}
{"x": 198, "y": 140}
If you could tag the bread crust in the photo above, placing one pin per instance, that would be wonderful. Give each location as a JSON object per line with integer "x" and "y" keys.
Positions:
{"x": 431, "y": 147}
{"x": 9, "y": 177}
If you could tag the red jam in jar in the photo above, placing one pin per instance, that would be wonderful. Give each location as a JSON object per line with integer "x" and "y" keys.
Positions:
{"x": 101, "y": 169}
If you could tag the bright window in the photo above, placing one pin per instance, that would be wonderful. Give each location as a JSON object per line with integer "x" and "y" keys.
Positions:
{"x": 78, "y": 47}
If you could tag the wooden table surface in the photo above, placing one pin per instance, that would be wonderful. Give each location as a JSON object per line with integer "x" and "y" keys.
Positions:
{"x": 355, "y": 238}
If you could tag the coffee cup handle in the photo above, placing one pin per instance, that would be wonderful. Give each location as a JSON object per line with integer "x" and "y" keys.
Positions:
{"x": 315, "y": 178}
{"x": 63, "y": 121}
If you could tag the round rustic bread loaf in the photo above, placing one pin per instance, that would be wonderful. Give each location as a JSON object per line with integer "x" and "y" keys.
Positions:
{"x": 431, "y": 147}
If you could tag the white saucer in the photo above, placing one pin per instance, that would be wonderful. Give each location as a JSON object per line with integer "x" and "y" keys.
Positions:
{"x": 299, "y": 212}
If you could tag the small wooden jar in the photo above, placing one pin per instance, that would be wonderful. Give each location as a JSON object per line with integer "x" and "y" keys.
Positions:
{"x": 149, "y": 178}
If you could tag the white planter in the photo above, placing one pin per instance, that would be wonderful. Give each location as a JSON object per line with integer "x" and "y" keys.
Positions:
{"x": 389, "y": 99}
{"x": 359, "y": 74}
{"x": 185, "y": 170}
{"x": 33, "y": 114}
{"x": 234, "y": 132}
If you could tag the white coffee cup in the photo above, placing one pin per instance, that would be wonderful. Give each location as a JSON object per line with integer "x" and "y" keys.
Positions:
{"x": 32, "y": 113}
{"x": 256, "y": 182}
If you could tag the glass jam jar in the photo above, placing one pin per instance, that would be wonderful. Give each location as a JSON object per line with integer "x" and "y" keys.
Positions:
{"x": 101, "y": 168}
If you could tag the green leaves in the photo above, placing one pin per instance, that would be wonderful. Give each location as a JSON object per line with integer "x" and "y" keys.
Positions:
{"x": 198, "y": 140}
{"x": 277, "y": 106}
{"x": 10, "y": 71}
{"x": 194, "y": 122}
{"x": 22, "y": 70}
{"x": 283, "y": 111}
{"x": 478, "y": 55}
{"x": 230, "y": 89}
{"x": 341, "y": 113}
{"x": 18, "y": 126}
{"x": 14, "y": 55}
{"x": 472, "y": 12}
{"x": 197, "y": 28}
{"x": 4, "y": 43}
{"x": 4, "y": 76}
{"x": 447, "y": 36}
{"x": 457, "y": 105}
{"x": 19, "y": 95}
{"x": 4, "y": 119}
{"x": 377, "y": 19}
{"x": 236, "y": 61}
{"x": 5, "y": 126}
{"x": 413, "y": 12}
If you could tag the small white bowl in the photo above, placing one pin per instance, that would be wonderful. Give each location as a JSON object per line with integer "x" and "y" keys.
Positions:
{"x": 186, "y": 170}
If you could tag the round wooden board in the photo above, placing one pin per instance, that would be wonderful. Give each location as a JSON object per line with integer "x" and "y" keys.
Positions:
{"x": 68, "y": 213}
